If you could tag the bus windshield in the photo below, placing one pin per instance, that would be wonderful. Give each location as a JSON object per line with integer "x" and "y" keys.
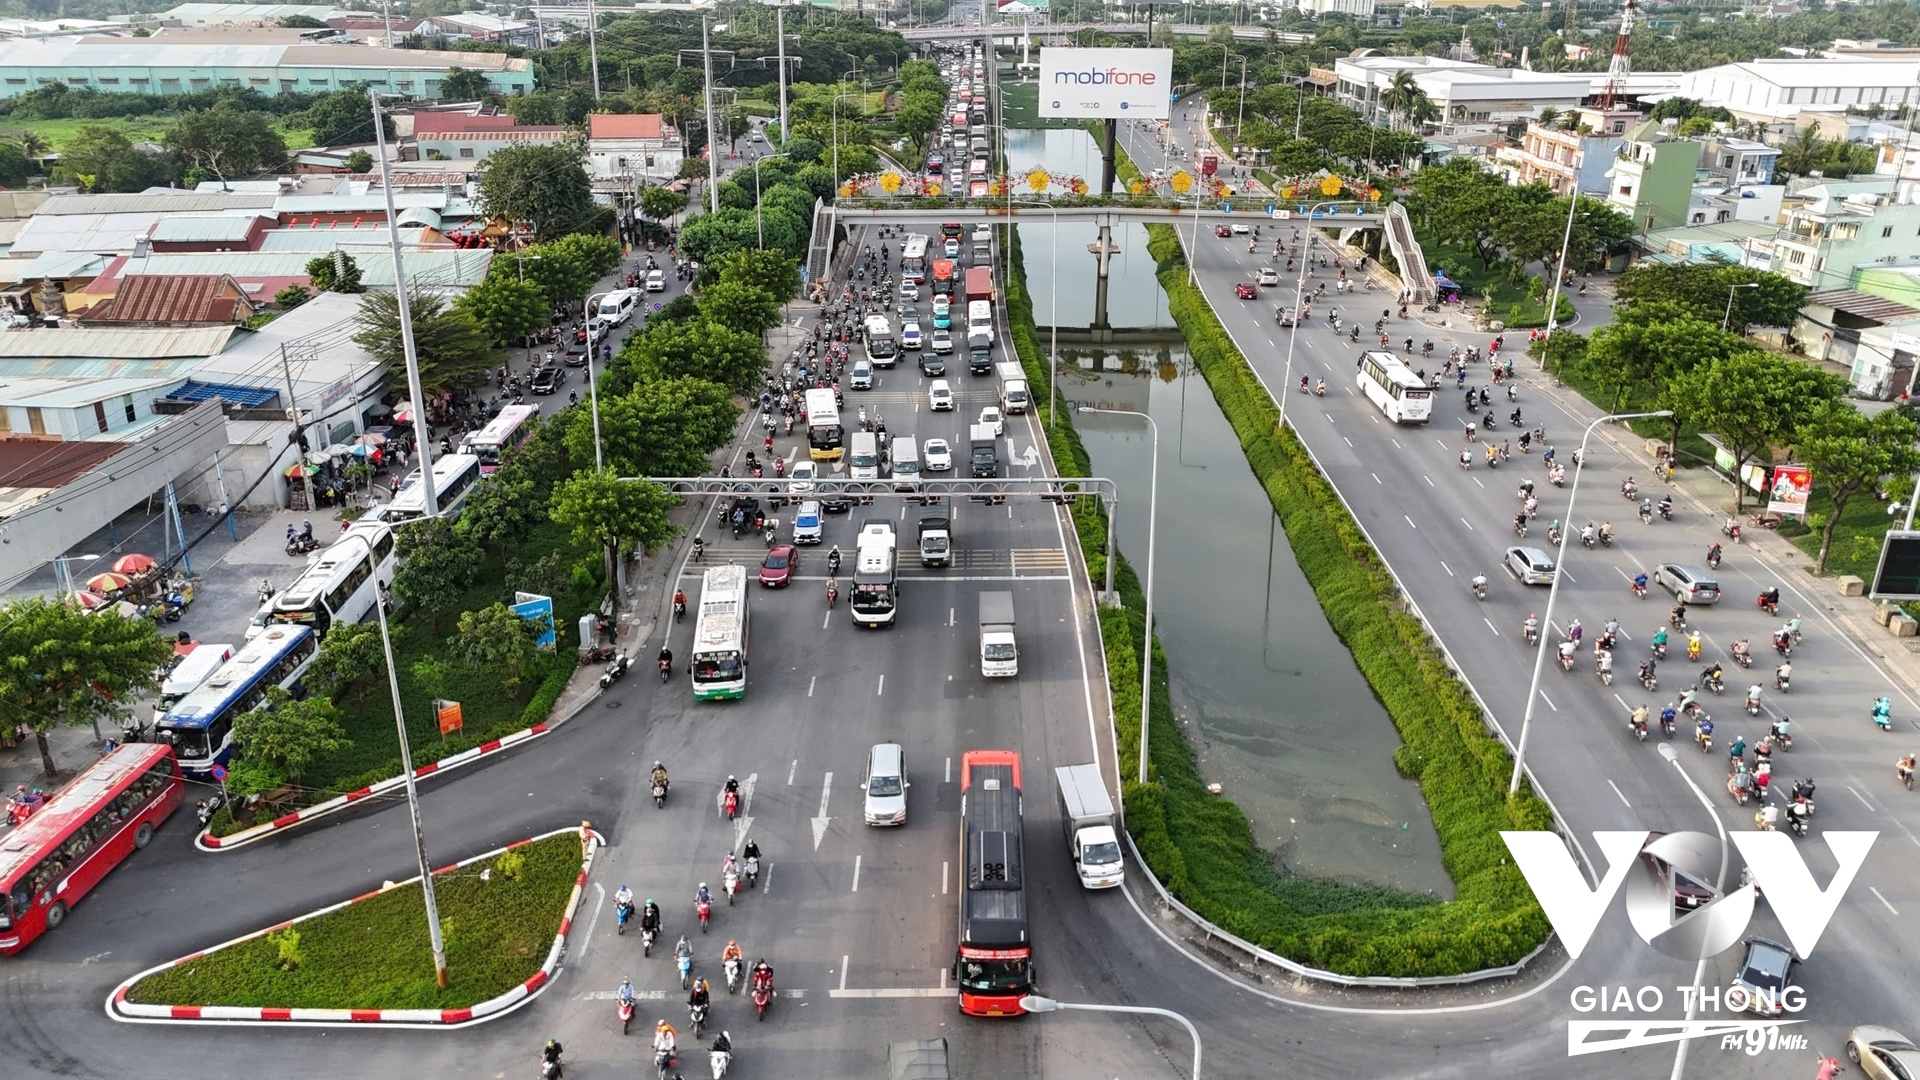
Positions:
{"x": 716, "y": 666}
{"x": 982, "y": 976}
{"x": 873, "y": 599}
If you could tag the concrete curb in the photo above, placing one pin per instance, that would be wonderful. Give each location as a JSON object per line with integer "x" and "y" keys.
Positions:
{"x": 120, "y": 1009}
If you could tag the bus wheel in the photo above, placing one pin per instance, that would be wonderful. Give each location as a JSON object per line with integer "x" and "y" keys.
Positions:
{"x": 56, "y": 915}
{"x": 142, "y": 836}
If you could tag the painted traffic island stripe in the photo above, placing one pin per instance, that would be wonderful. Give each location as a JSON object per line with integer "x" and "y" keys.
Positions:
{"x": 504, "y": 916}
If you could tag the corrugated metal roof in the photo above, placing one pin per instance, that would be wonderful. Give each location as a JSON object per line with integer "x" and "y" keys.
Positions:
{"x": 1865, "y": 306}
{"x": 56, "y": 342}
{"x": 430, "y": 268}
{"x": 98, "y": 367}
{"x": 173, "y": 299}
{"x": 52, "y": 392}
{"x": 322, "y": 238}
{"x": 202, "y": 230}
{"x": 371, "y": 202}
{"x": 153, "y": 202}
{"x": 58, "y": 265}
{"x": 247, "y": 397}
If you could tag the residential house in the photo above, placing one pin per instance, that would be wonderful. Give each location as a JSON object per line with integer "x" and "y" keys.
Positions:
{"x": 1575, "y": 151}
{"x": 1651, "y": 180}
{"x": 630, "y": 151}
{"x": 458, "y": 136}
{"x": 1834, "y": 231}
{"x": 1738, "y": 161}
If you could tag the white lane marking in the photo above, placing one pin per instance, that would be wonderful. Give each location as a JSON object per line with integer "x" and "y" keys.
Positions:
{"x": 821, "y": 820}
{"x": 810, "y": 681}
{"x": 1410, "y": 523}
{"x": 843, "y": 970}
{"x": 1623, "y": 798}
{"x": 1428, "y": 479}
{"x": 1477, "y": 481}
{"x": 1396, "y": 443}
{"x": 1882, "y": 899}
{"x": 639, "y": 994}
{"x": 856, "y": 873}
{"x": 947, "y": 776}
{"x": 826, "y": 620}
{"x": 1549, "y": 701}
{"x": 1490, "y": 626}
{"x": 599, "y": 899}
{"x": 881, "y": 692}
{"x": 891, "y": 992}
{"x": 1448, "y": 569}
{"x": 1862, "y": 798}
{"x": 1376, "y": 478}
{"x": 949, "y": 616}
{"x": 946, "y": 871}
{"x": 1468, "y": 524}
{"x": 792, "y": 767}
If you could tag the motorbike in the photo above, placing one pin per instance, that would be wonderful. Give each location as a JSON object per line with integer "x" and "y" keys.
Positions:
{"x": 549, "y": 1070}
{"x": 753, "y": 870}
{"x": 1705, "y": 740}
{"x": 205, "y": 808}
{"x": 679, "y": 610}
{"x": 718, "y": 1060}
{"x": 1740, "y": 785}
{"x": 647, "y": 934}
{"x": 1639, "y": 729}
{"x": 1666, "y": 727}
{"x": 625, "y": 1007}
{"x": 1606, "y": 676}
{"x": 1716, "y": 684}
{"x": 1781, "y": 682}
{"x": 1650, "y": 682}
{"x": 1742, "y": 657}
{"x": 616, "y": 670}
{"x": 1531, "y": 633}
{"x": 685, "y": 960}
{"x": 733, "y": 975}
{"x": 732, "y": 804}
{"x": 1753, "y": 706}
{"x": 1639, "y": 590}
{"x": 762, "y": 996}
{"x": 1666, "y": 511}
{"x": 1660, "y": 650}
{"x": 301, "y": 544}
{"x": 596, "y": 654}
{"x": 20, "y": 809}
{"x": 704, "y": 909}
{"x": 621, "y": 913}
{"x": 699, "y": 547}
{"x": 666, "y": 669}
{"x": 659, "y": 796}
{"x": 1883, "y": 718}
{"x": 1799, "y": 818}
{"x": 697, "y": 1015}
{"x": 1566, "y": 661}
{"x": 730, "y": 884}
{"x": 662, "y": 1062}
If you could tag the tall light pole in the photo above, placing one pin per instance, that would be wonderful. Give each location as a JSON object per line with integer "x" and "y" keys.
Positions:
{"x": 593, "y": 388}
{"x": 759, "y": 227}
{"x": 1731, "y": 289}
{"x": 1053, "y": 331}
{"x": 1034, "y": 1003}
{"x": 706, "y": 100}
{"x": 1560, "y": 271}
{"x": 520, "y": 266}
{"x": 1241, "y": 116}
{"x": 1153, "y": 501}
{"x": 1299, "y": 306}
{"x": 1553, "y": 590}
{"x": 422, "y": 433}
{"x": 1700, "y": 966}
{"x": 438, "y": 943}
{"x": 838, "y": 93}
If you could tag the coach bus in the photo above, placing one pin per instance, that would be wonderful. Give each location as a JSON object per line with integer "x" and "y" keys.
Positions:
{"x": 994, "y": 968}
{"x": 718, "y": 664}
{"x": 514, "y": 425}
{"x": 453, "y": 478}
{"x": 1394, "y": 389}
{"x": 913, "y": 258}
{"x": 85, "y": 829}
{"x": 875, "y": 592}
{"x": 343, "y": 581}
{"x": 824, "y": 434}
{"x": 200, "y": 728}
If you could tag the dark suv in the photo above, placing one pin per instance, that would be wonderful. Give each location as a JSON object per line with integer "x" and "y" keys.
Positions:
{"x": 980, "y": 359}
{"x": 548, "y": 379}
{"x": 932, "y": 364}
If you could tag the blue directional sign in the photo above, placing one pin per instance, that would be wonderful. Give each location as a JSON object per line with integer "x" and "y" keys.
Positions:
{"x": 1269, "y": 209}
{"x": 1226, "y": 207}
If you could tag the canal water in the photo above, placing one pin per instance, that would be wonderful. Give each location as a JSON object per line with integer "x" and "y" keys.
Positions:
{"x": 1268, "y": 695}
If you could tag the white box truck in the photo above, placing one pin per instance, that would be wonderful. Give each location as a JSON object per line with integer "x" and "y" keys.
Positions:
{"x": 999, "y": 655}
{"x": 1086, "y": 817}
{"x": 1013, "y": 387}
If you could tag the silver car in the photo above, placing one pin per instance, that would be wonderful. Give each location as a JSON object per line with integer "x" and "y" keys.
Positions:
{"x": 1530, "y": 565}
{"x": 1688, "y": 584}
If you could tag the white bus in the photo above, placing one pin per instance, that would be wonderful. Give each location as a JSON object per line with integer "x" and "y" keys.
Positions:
{"x": 824, "y": 435}
{"x": 200, "y": 727}
{"x": 453, "y": 478}
{"x": 341, "y": 584}
{"x": 913, "y": 259}
{"x": 718, "y": 664}
{"x": 864, "y": 460}
{"x": 1394, "y": 387}
{"x": 883, "y": 349}
{"x": 875, "y": 592}
{"x": 512, "y": 427}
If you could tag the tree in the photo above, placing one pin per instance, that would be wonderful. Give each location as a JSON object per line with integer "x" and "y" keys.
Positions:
{"x": 301, "y": 22}
{"x": 101, "y": 159}
{"x": 1459, "y": 203}
{"x": 1774, "y": 300}
{"x": 33, "y": 145}
{"x": 1753, "y": 401}
{"x": 348, "y": 653}
{"x": 1849, "y": 452}
{"x": 343, "y": 117}
{"x": 1648, "y": 344}
{"x": 660, "y": 203}
{"x": 15, "y": 167}
{"x": 439, "y": 565}
{"x": 359, "y": 162}
{"x": 465, "y": 84}
{"x": 601, "y": 508}
{"x": 662, "y": 427}
{"x": 698, "y": 349}
{"x": 226, "y": 141}
{"x": 773, "y": 272}
{"x": 543, "y": 186}
{"x": 60, "y": 665}
{"x": 289, "y": 733}
{"x": 495, "y": 639}
{"x": 740, "y": 305}
{"x": 506, "y": 308}
{"x": 567, "y": 268}
{"x": 335, "y": 273}
{"x": 292, "y": 296}
{"x": 503, "y": 511}
{"x": 447, "y": 341}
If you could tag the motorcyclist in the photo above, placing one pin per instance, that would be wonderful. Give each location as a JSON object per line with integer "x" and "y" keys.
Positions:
{"x": 1640, "y": 715}
{"x": 1693, "y": 645}
{"x": 833, "y": 560}
{"x": 702, "y": 895}
{"x": 732, "y": 786}
{"x": 666, "y": 657}
{"x": 1640, "y": 582}
{"x": 1737, "y": 751}
{"x": 1666, "y": 506}
{"x": 762, "y": 975}
{"x": 1753, "y": 695}
{"x": 679, "y": 601}
{"x": 721, "y": 1045}
{"x": 1574, "y": 631}
{"x": 700, "y": 995}
{"x": 650, "y": 916}
{"x": 681, "y": 948}
{"x": 732, "y": 952}
{"x": 1703, "y": 727}
{"x": 1480, "y": 585}
{"x": 1532, "y": 629}
{"x": 1783, "y": 673}
{"x": 1667, "y": 716}
{"x": 1586, "y": 534}
{"x": 1606, "y": 532}
{"x": 1904, "y": 768}
{"x": 1689, "y": 700}
{"x": 625, "y": 993}
{"x": 1646, "y": 508}
{"x": 1647, "y": 670}
{"x": 664, "y": 1038}
{"x": 1713, "y": 553}
{"x": 1567, "y": 649}
{"x": 1793, "y": 629}
{"x": 1711, "y": 675}
{"x": 659, "y": 777}
{"x": 550, "y": 1053}
{"x": 751, "y": 850}
{"x": 623, "y": 896}
{"x": 1678, "y": 616}
{"x": 1604, "y": 659}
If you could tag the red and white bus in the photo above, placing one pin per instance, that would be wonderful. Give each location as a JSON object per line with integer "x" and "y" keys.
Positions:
{"x": 994, "y": 968}
{"x": 60, "y": 853}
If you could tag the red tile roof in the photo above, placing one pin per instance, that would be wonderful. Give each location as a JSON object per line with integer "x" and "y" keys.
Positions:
{"x": 625, "y": 126}
{"x": 437, "y": 123}
{"x": 174, "y": 300}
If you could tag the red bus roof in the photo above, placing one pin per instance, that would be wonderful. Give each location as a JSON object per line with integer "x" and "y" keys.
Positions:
{"x": 942, "y": 269}
{"x": 74, "y": 804}
{"x": 971, "y": 758}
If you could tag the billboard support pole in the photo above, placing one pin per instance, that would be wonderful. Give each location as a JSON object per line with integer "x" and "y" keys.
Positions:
{"x": 1109, "y": 166}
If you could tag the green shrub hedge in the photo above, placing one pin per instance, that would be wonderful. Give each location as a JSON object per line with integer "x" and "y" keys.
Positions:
{"x": 375, "y": 954}
{"x": 1202, "y": 847}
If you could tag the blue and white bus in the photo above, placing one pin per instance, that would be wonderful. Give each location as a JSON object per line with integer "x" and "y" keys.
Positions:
{"x": 342, "y": 582}
{"x": 200, "y": 727}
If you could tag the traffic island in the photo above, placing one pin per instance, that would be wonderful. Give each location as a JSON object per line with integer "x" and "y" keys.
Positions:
{"x": 368, "y": 960}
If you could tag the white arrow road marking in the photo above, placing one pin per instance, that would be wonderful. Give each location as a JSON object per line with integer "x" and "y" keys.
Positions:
{"x": 821, "y": 819}
{"x": 1031, "y": 457}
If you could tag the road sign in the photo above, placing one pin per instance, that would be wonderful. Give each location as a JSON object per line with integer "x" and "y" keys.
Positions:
{"x": 1226, "y": 208}
{"x": 1269, "y": 209}
{"x": 218, "y": 772}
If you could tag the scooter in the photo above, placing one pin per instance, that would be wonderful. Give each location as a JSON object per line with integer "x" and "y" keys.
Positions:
{"x": 1639, "y": 729}
{"x": 647, "y": 934}
{"x": 730, "y": 884}
{"x": 753, "y": 870}
{"x": 625, "y": 1007}
{"x": 1781, "y": 682}
{"x": 699, "y": 547}
{"x": 1799, "y": 818}
{"x": 659, "y": 796}
{"x": 1753, "y": 706}
{"x": 19, "y": 810}
{"x": 616, "y": 670}
{"x": 697, "y": 1014}
{"x": 704, "y": 909}
{"x": 733, "y": 975}
{"x": 762, "y": 996}
{"x": 685, "y": 961}
{"x": 666, "y": 669}
{"x": 621, "y": 913}
{"x": 205, "y": 808}
{"x": 679, "y": 610}
{"x": 732, "y": 804}
{"x": 301, "y": 544}
{"x": 718, "y": 1060}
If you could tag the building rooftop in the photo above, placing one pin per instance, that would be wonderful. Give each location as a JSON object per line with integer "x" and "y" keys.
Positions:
{"x": 60, "y": 392}
{"x": 625, "y": 126}
{"x": 53, "y": 265}
{"x": 159, "y": 52}
{"x": 321, "y": 238}
{"x": 204, "y": 230}
{"x": 164, "y": 200}
{"x": 78, "y": 342}
{"x": 1862, "y": 305}
{"x": 431, "y": 269}
{"x": 481, "y": 23}
{"x": 173, "y": 300}
{"x": 247, "y": 12}
{"x": 31, "y": 466}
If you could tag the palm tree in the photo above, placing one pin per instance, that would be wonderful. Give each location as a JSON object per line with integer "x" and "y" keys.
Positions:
{"x": 1547, "y": 116}
{"x": 1804, "y": 154}
{"x": 33, "y": 145}
{"x": 1399, "y": 94}
{"x": 1421, "y": 110}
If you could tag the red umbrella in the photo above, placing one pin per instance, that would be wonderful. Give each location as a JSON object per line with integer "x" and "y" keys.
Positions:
{"x": 133, "y": 564}
{"x": 106, "y": 583}
{"x": 88, "y": 600}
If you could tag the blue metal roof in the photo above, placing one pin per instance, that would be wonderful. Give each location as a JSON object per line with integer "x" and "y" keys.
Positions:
{"x": 247, "y": 397}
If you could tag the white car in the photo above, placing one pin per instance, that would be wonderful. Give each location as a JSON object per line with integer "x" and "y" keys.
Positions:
{"x": 940, "y": 396}
{"x": 942, "y": 341}
{"x": 936, "y": 456}
{"x": 656, "y": 281}
{"x": 803, "y": 473}
{"x": 1241, "y": 229}
{"x": 1268, "y": 276}
{"x": 990, "y": 416}
{"x": 982, "y": 231}
{"x": 909, "y": 291}
{"x": 910, "y": 337}
{"x": 952, "y": 248}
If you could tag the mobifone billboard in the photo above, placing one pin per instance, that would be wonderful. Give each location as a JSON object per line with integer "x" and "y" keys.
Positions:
{"x": 1106, "y": 84}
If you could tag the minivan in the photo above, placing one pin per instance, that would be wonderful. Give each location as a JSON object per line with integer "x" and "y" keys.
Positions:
{"x": 863, "y": 458}
{"x": 806, "y": 523}
{"x": 1688, "y": 584}
{"x": 862, "y": 376}
{"x": 906, "y": 464}
{"x": 617, "y": 306}
{"x": 886, "y": 785}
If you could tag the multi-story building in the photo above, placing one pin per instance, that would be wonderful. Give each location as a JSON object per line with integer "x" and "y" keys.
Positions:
{"x": 1835, "y": 231}
{"x": 1768, "y": 90}
{"x": 459, "y": 136}
{"x": 1651, "y": 180}
{"x": 1575, "y": 151}
{"x": 630, "y": 151}
{"x": 1738, "y": 161}
{"x": 1470, "y": 94}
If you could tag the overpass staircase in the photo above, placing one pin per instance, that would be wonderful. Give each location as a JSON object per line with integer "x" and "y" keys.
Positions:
{"x": 819, "y": 262}
{"x": 1406, "y": 251}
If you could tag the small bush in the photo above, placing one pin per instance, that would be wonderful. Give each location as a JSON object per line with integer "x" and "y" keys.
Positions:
{"x": 287, "y": 941}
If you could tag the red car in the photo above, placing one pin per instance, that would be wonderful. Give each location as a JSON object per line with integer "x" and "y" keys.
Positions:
{"x": 776, "y": 570}
{"x": 1246, "y": 290}
{"x": 1222, "y": 230}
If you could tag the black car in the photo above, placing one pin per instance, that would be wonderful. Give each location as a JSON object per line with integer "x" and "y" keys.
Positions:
{"x": 932, "y": 364}
{"x": 547, "y": 380}
{"x": 833, "y": 498}
{"x": 577, "y": 353}
{"x": 979, "y": 360}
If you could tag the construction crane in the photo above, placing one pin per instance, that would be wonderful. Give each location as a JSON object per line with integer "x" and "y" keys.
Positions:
{"x": 1620, "y": 64}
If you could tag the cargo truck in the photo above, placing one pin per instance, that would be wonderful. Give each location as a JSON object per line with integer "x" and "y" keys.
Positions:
{"x": 984, "y": 451}
{"x": 1013, "y": 387}
{"x": 979, "y": 283}
{"x": 936, "y": 537}
{"x": 999, "y": 656}
{"x": 1086, "y": 817}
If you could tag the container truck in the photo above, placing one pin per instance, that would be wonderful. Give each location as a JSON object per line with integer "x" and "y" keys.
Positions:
{"x": 1013, "y": 387}
{"x": 984, "y": 451}
{"x": 1086, "y": 817}
{"x": 979, "y": 283}
{"x": 999, "y": 656}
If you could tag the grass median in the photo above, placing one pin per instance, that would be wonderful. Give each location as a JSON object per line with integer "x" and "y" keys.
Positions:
{"x": 376, "y": 954}
{"x": 1201, "y": 846}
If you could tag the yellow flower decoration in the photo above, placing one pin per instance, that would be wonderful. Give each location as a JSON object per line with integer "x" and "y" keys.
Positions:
{"x": 1182, "y": 182}
{"x": 1138, "y": 187}
{"x": 846, "y": 191}
{"x": 1038, "y": 179}
{"x": 1079, "y": 186}
{"x": 1330, "y": 186}
{"x": 933, "y": 189}
{"x": 890, "y": 183}
{"x": 1288, "y": 192}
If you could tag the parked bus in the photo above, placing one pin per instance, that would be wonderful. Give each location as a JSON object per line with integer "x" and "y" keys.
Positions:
{"x": 824, "y": 435}
{"x": 453, "y": 478}
{"x": 190, "y": 674}
{"x": 995, "y": 966}
{"x": 85, "y": 829}
{"x": 513, "y": 426}
{"x": 718, "y": 664}
{"x": 1394, "y": 388}
{"x": 875, "y": 590}
{"x": 913, "y": 258}
{"x": 943, "y": 272}
{"x": 343, "y": 581}
{"x": 200, "y": 728}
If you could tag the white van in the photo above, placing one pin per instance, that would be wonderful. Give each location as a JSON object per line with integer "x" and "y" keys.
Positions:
{"x": 656, "y": 280}
{"x": 193, "y": 669}
{"x": 807, "y": 528}
{"x": 863, "y": 463}
{"x": 617, "y": 306}
{"x": 906, "y": 464}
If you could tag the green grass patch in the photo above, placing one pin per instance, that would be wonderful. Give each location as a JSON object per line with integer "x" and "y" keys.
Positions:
{"x": 59, "y": 133}
{"x": 376, "y": 955}
{"x": 1200, "y": 846}
{"x": 1510, "y": 296}
{"x": 1856, "y": 539}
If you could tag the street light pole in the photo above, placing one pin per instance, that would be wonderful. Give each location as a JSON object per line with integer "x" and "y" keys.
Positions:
{"x": 1053, "y": 331}
{"x": 1700, "y": 966}
{"x": 1241, "y": 116}
{"x": 1560, "y": 271}
{"x": 1034, "y": 1003}
{"x": 1153, "y": 501}
{"x": 1731, "y": 289}
{"x": 838, "y": 93}
{"x": 593, "y": 388}
{"x": 1553, "y": 591}
{"x": 1299, "y": 306}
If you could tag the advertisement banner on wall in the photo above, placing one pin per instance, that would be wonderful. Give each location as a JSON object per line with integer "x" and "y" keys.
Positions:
{"x": 1789, "y": 490}
{"x": 1021, "y": 7}
{"x": 1105, "y": 84}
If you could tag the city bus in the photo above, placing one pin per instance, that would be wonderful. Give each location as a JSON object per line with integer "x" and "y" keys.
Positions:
{"x": 943, "y": 277}
{"x": 883, "y": 349}
{"x": 718, "y": 664}
{"x": 875, "y": 590}
{"x": 343, "y": 581}
{"x": 824, "y": 435}
{"x": 994, "y": 968}
{"x": 913, "y": 258}
{"x": 513, "y": 426}
{"x": 200, "y": 728}
{"x": 85, "y": 829}
{"x": 453, "y": 478}
{"x": 1394, "y": 388}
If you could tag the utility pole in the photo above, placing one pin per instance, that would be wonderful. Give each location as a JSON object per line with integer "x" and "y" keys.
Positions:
{"x": 593, "y": 47}
{"x": 422, "y": 434}
{"x": 780, "y": 33}
{"x": 293, "y": 414}
{"x": 706, "y": 99}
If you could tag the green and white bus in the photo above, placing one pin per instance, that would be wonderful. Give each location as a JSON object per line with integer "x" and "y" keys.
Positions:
{"x": 719, "y": 667}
